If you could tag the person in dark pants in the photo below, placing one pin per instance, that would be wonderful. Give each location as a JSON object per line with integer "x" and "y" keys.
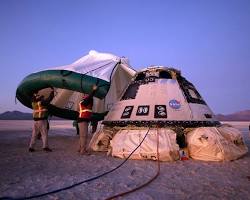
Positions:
{"x": 249, "y": 130}
{"x": 94, "y": 124}
{"x": 75, "y": 124}
{"x": 40, "y": 117}
{"x": 85, "y": 113}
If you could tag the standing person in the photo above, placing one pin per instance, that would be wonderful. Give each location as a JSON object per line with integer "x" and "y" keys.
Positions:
{"x": 249, "y": 130}
{"x": 40, "y": 117}
{"x": 85, "y": 113}
{"x": 75, "y": 124}
{"x": 94, "y": 124}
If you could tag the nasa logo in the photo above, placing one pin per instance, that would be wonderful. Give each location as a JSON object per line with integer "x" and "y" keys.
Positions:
{"x": 174, "y": 104}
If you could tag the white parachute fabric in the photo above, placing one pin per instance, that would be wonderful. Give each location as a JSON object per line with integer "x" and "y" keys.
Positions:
{"x": 216, "y": 144}
{"x": 126, "y": 141}
{"x": 63, "y": 98}
{"x": 113, "y": 69}
{"x": 66, "y": 99}
{"x": 121, "y": 77}
{"x": 99, "y": 65}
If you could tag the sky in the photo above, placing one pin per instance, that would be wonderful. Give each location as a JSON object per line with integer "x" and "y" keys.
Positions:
{"x": 207, "y": 40}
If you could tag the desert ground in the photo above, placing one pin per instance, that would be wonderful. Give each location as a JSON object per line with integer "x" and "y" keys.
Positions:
{"x": 24, "y": 174}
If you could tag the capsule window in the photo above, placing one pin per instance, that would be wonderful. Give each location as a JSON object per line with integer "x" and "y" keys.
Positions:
{"x": 131, "y": 91}
{"x": 165, "y": 75}
{"x": 140, "y": 76}
{"x": 192, "y": 95}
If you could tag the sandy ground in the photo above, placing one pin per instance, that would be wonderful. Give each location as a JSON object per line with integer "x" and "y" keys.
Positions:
{"x": 23, "y": 174}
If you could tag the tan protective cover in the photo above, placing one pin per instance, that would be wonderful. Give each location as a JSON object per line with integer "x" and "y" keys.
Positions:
{"x": 125, "y": 141}
{"x": 101, "y": 138}
{"x": 216, "y": 144}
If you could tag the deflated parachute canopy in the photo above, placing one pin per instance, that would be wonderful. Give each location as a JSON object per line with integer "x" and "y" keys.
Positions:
{"x": 109, "y": 72}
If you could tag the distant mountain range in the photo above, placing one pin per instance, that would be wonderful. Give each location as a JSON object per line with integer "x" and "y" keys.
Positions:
{"x": 237, "y": 116}
{"x": 17, "y": 115}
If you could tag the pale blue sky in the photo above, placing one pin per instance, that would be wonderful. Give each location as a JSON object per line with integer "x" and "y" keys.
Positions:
{"x": 209, "y": 41}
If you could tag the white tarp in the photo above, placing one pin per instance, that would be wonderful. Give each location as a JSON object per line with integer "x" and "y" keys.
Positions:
{"x": 99, "y": 65}
{"x": 125, "y": 141}
{"x": 216, "y": 144}
{"x": 113, "y": 69}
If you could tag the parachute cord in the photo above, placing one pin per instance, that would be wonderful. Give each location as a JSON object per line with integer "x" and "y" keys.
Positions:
{"x": 105, "y": 84}
{"x": 114, "y": 69}
{"x": 81, "y": 182}
{"x": 97, "y": 68}
{"x": 148, "y": 182}
{"x": 92, "y": 71}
